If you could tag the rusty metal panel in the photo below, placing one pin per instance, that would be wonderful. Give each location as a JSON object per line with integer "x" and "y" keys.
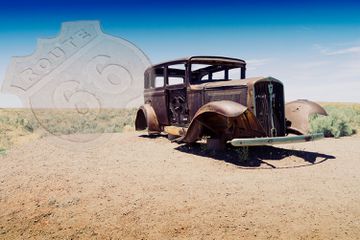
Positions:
{"x": 194, "y": 101}
{"x": 157, "y": 99}
{"x": 223, "y": 119}
{"x": 298, "y": 113}
{"x": 232, "y": 94}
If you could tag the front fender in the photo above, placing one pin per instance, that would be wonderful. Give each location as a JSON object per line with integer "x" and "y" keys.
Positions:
{"x": 298, "y": 115}
{"x": 224, "y": 120}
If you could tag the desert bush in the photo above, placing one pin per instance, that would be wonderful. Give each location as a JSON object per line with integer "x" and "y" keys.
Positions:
{"x": 341, "y": 121}
{"x": 2, "y": 151}
{"x": 16, "y": 123}
{"x": 29, "y": 124}
{"x": 60, "y": 122}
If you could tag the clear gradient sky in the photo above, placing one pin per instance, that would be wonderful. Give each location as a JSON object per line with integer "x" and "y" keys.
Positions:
{"x": 313, "y": 47}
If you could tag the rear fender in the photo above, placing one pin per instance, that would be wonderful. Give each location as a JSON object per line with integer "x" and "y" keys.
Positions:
{"x": 298, "y": 114}
{"x": 146, "y": 119}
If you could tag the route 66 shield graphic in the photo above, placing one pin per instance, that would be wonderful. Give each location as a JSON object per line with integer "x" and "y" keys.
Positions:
{"x": 82, "y": 69}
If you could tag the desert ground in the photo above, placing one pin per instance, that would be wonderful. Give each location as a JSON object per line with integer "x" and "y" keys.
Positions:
{"x": 136, "y": 187}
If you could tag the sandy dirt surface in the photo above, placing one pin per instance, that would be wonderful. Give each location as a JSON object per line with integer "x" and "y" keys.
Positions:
{"x": 149, "y": 188}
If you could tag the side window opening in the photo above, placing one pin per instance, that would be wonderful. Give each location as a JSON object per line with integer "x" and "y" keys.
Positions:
{"x": 175, "y": 80}
{"x": 159, "y": 81}
{"x": 176, "y": 74}
{"x": 156, "y": 77}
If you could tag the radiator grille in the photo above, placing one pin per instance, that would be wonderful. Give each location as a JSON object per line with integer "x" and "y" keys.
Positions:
{"x": 269, "y": 107}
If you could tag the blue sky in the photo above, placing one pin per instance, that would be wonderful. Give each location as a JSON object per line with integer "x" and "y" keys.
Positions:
{"x": 313, "y": 47}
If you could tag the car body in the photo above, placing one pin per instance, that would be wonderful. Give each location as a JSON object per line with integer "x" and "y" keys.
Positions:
{"x": 210, "y": 97}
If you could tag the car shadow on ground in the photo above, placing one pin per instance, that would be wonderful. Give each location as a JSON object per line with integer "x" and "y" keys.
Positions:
{"x": 252, "y": 157}
{"x": 153, "y": 136}
{"x": 259, "y": 156}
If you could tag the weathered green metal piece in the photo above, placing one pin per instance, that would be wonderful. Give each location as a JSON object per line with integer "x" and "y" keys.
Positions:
{"x": 241, "y": 142}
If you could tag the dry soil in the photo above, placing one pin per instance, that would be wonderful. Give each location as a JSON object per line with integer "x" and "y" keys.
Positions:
{"x": 135, "y": 187}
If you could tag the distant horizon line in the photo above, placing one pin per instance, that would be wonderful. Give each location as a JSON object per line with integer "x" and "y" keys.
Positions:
{"x": 108, "y": 108}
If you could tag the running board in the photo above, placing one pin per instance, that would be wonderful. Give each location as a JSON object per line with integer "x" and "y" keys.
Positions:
{"x": 242, "y": 142}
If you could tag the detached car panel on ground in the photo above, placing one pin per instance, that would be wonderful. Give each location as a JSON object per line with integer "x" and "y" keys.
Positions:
{"x": 208, "y": 96}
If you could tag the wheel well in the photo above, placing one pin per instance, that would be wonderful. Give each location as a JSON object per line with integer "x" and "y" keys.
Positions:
{"x": 140, "y": 121}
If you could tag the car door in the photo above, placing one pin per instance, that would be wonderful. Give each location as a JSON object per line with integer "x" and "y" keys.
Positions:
{"x": 178, "y": 111}
{"x": 155, "y": 93}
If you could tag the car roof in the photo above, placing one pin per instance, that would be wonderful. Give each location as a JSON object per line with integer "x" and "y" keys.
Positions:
{"x": 199, "y": 58}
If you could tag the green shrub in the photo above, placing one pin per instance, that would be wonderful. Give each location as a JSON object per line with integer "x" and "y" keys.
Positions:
{"x": 341, "y": 121}
{"x": 2, "y": 151}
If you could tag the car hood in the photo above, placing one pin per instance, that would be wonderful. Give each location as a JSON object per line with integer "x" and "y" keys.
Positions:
{"x": 229, "y": 83}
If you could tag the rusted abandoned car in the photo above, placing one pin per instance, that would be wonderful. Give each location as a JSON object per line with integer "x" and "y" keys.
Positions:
{"x": 210, "y": 97}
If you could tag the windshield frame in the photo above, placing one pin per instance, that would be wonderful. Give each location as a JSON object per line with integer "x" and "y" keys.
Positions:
{"x": 214, "y": 66}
